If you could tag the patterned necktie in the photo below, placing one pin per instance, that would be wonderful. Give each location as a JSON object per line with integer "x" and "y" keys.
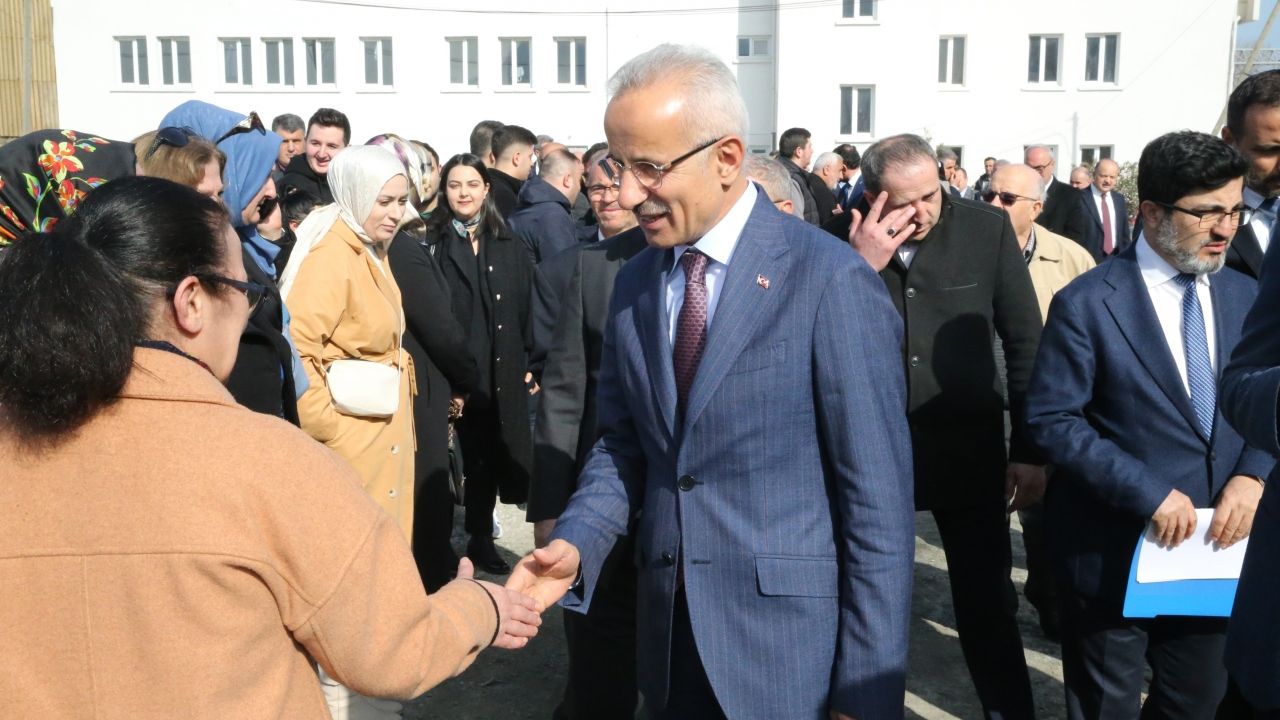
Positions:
{"x": 691, "y": 325}
{"x": 1108, "y": 238}
{"x": 1195, "y": 344}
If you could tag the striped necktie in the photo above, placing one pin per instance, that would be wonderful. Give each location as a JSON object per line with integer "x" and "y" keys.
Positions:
{"x": 1195, "y": 345}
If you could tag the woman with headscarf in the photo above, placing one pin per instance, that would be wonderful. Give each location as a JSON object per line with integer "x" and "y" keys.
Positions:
{"x": 164, "y": 547}
{"x": 490, "y": 278}
{"x": 445, "y": 370}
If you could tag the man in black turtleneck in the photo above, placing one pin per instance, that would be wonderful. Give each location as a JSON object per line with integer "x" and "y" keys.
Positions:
{"x": 511, "y": 159}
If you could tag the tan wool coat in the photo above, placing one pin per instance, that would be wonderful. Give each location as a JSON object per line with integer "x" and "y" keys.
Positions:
{"x": 1056, "y": 261}
{"x": 184, "y": 557}
{"x": 343, "y": 305}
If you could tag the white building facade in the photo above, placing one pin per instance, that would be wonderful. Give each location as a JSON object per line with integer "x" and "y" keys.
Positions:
{"x": 1091, "y": 78}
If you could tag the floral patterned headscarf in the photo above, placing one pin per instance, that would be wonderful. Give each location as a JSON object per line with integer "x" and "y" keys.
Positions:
{"x": 45, "y": 175}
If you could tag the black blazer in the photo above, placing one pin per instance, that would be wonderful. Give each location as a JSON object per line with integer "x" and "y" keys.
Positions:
{"x": 823, "y": 197}
{"x": 1093, "y": 229}
{"x": 566, "y": 427}
{"x": 262, "y": 378}
{"x": 966, "y": 283}
{"x": 1245, "y": 254}
{"x": 1063, "y": 212}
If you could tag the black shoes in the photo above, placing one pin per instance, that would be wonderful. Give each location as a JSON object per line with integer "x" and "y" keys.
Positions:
{"x": 485, "y": 556}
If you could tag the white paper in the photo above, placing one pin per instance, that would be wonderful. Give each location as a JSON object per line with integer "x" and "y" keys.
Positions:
{"x": 1197, "y": 558}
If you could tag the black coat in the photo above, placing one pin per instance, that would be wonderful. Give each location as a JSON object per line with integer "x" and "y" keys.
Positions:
{"x": 966, "y": 283}
{"x": 1245, "y": 254}
{"x": 1093, "y": 238}
{"x": 262, "y": 378}
{"x": 300, "y": 175}
{"x": 509, "y": 283}
{"x": 543, "y": 220}
{"x": 1063, "y": 212}
{"x": 505, "y": 191}
{"x": 800, "y": 177}
{"x": 824, "y": 198}
{"x": 566, "y": 427}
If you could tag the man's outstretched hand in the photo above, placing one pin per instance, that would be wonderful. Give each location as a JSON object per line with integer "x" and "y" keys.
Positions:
{"x": 546, "y": 574}
{"x": 518, "y": 615}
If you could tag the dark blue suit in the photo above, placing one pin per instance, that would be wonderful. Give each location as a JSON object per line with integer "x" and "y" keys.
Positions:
{"x": 1093, "y": 236}
{"x": 784, "y": 494}
{"x": 1250, "y": 386}
{"x": 1108, "y": 408}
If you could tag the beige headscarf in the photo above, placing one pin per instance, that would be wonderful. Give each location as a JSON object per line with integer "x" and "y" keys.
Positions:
{"x": 356, "y": 177}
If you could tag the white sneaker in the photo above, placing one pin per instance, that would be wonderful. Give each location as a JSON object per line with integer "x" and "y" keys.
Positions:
{"x": 497, "y": 526}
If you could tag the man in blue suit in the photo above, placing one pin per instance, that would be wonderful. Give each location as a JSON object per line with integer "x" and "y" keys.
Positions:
{"x": 752, "y": 410}
{"x": 1107, "y": 232}
{"x": 1123, "y": 403}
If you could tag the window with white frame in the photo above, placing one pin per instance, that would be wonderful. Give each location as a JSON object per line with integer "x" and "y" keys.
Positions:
{"x": 1101, "y": 55}
{"x": 321, "y": 61}
{"x": 377, "y": 61}
{"x": 464, "y": 65}
{"x": 175, "y": 60}
{"x": 862, "y": 9}
{"x": 517, "y": 65}
{"x": 857, "y": 109}
{"x": 237, "y": 61}
{"x": 1044, "y": 55}
{"x": 951, "y": 60}
{"x": 133, "y": 61}
{"x": 753, "y": 47}
{"x": 1093, "y": 154}
{"x": 279, "y": 57}
{"x": 571, "y": 61}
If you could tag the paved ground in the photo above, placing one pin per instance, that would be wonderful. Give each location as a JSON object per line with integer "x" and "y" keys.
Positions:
{"x": 527, "y": 684}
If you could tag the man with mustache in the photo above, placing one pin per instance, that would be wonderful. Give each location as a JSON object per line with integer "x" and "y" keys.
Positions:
{"x": 752, "y": 425}
{"x": 1123, "y": 403}
{"x": 1253, "y": 127}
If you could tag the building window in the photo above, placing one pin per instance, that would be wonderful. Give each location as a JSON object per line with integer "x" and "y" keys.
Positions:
{"x": 320, "y": 61}
{"x": 857, "y": 108}
{"x": 1100, "y": 56}
{"x": 133, "y": 60}
{"x": 377, "y": 61}
{"x": 1043, "y": 58}
{"x": 865, "y": 9}
{"x": 571, "y": 61}
{"x": 175, "y": 60}
{"x": 951, "y": 60}
{"x": 464, "y": 66}
{"x": 237, "y": 61}
{"x": 279, "y": 61}
{"x": 753, "y": 47}
{"x": 516, "y": 63}
{"x": 1093, "y": 154}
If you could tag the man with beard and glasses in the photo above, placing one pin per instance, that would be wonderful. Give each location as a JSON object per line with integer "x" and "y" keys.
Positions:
{"x": 1123, "y": 402}
{"x": 1253, "y": 127}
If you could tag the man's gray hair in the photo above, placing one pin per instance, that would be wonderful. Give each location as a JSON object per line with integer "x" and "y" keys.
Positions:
{"x": 770, "y": 174}
{"x": 1045, "y": 148}
{"x": 946, "y": 153}
{"x": 825, "y": 159}
{"x": 894, "y": 151}
{"x": 713, "y": 106}
{"x": 556, "y": 164}
{"x": 288, "y": 122}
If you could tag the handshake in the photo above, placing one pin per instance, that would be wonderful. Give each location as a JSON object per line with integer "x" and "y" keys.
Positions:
{"x": 538, "y": 581}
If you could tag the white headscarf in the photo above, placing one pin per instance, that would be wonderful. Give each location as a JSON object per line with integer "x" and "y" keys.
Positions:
{"x": 356, "y": 177}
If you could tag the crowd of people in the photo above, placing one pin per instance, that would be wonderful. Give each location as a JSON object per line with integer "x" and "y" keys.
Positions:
{"x": 247, "y": 373}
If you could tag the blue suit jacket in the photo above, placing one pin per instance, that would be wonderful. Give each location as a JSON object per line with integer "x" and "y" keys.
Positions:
{"x": 1093, "y": 238}
{"x": 1249, "y": 390}
{"x": 786, "y": 493}
{"x": 1108, "y": 409}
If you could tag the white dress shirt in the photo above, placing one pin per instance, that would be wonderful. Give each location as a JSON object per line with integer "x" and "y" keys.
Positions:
{"x": 1098, "y": 200}
{"x": 1166, "y": 295}
{"x": 1263, "y": 221}
{"x": 718, "y": 245}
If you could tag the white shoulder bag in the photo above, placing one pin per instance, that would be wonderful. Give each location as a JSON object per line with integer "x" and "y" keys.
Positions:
{"x": 364, "y": 387}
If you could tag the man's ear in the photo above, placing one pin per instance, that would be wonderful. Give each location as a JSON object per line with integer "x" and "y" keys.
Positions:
{"x": 1152, "y": 214}
{"x": 731, "y": 155}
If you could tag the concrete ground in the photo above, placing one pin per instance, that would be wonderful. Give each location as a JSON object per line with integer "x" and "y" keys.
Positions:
{"x": 527, "y": 684}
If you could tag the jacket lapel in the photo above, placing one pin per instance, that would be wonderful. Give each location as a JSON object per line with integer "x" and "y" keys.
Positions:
{"x": 655, "y": 337}
{"x": 743, "y": 301}
{"x": 1130, "y": 306}
{"x": 1092, "y": 205}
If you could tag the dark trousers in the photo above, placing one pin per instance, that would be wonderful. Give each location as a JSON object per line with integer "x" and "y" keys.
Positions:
{"x": 602, "y": 646}
{"x": 433, "y": 528}
{"x": 979, "y": 562}
{"x": 1041, "y": 590}
{"x": 482, "y": 456}
{"x": 689, "y": 696}
{"x": 1104, "y": 659}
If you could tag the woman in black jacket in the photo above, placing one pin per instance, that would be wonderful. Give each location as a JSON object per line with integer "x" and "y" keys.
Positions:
{"x": 490, "y": 277}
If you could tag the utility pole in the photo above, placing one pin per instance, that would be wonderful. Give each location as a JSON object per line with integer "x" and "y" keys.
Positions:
{"x": 1248, "y": 63}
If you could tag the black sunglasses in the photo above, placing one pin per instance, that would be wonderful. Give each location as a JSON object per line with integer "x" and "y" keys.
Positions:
{"x": 253, "y": 291}
{"x": 266, "y": 206}
{"x": 249, "y": 124}
{"x": 172, "y": 136}
{"x": 1006, "y": 198}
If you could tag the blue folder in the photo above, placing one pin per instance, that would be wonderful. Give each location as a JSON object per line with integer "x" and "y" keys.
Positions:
{"x": 1201, "y": 598}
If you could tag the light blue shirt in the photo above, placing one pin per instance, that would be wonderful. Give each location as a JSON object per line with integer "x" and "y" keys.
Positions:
{"x": 718, "y": 245}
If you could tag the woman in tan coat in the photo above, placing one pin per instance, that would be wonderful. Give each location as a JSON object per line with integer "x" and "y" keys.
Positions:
{"x": 167, "y": 552}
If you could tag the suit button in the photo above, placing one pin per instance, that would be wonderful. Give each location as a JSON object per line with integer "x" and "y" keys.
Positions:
{"x": 498, "y": 296}
{"x": 911, "y": 292}
{"x": 1213, "y": 457}
{"x": 490, "y": 268}
{"x": 914, "y": 361}
{"x": 668, "y": 558}
{"x": 497, "y": 360}
{"x": 392, "y": 492}
{"x": 395, "y": 449}
{"x": 686, "y": 482}
{"x": 499, "y": 327}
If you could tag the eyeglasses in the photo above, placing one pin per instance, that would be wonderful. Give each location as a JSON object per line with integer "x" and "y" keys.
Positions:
{"x": 1006, "y": 198}
{"x": 266, "y": 206}
{"x": 172, "y": 136}
{"x": 249, "y": 124}
{"x": 1041, "y": 168}
{"x": 253, "y": 292}
{"x": 1239, "y": 215}
{"x": 596, "y": 192}
{"x": 649, "y": 175}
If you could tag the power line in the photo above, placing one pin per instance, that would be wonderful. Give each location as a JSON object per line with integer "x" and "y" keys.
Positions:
{"x": 764, "y": 7}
